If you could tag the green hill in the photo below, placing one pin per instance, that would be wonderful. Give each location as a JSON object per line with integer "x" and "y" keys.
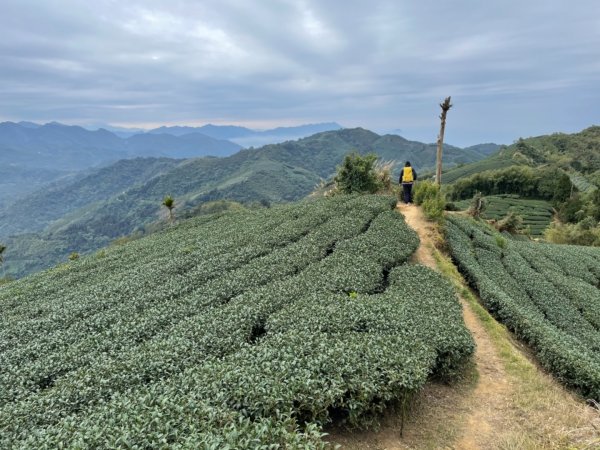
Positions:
{"x": 562, "y": 169}
{"x": 116, "y": 201}
{"x": 577, "y": 153}
{"x": 245, "y": 329}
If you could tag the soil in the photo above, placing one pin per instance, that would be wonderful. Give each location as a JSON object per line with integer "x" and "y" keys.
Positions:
{"x": 478, "y": 412}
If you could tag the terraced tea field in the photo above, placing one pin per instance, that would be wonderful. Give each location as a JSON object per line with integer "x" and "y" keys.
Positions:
{"x": 536, "y": 214}
{"x": 241, "y": 330}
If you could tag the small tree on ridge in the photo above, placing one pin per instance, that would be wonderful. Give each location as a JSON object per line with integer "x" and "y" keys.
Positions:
{"x": 357, "y": 174}
{"x": 169, "y": 203}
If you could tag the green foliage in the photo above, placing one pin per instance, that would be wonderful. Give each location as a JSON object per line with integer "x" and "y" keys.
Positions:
{"x": 169, "y": 203}
{"x": 546, "y": 294}
{"x": 586, "y": 232}
{"x": 500, "y": 241}
{"x": 495, "y": 162}
{"x": 434, "y": 208}
{"x": 236, "y": 330}
{"x": 357, "y": 174}
{"x": 582, "y": 184}
{"x": 572, "y": 210}
{"x": 512, "y": 223}
{"x": 74, "y": 256}
{"x": 549, "y": 184}
{"x": 424, "y": 190}
{"x": 428, "y": 195}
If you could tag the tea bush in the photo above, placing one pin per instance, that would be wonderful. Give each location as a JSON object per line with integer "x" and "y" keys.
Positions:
{"x": 227, "y": 331}
{"x": 547, "y": 294}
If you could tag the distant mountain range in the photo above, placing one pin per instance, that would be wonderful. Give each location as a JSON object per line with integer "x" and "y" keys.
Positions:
{"x": 251, "y": 138}
{"x": 87, "y": 212}
{"x": 32, "y": 155}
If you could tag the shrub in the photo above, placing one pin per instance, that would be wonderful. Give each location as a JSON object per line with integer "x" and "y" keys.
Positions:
{"x": 357, "y": 174}
{"x": 424, "y": 190}
{"x": 383, "y": 172}
{"x": 428, "y": 195}
{"x": 574, "y": 234}
{"x": 433, "y": 208}
{"x": 546, "y": 294}
{"x": 478, "y": 205}
{"x": 243, "y": 330}
{"x": 512, "y": 223}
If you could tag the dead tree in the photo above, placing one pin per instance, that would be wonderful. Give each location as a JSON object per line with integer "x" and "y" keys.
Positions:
{"x": 440, "y": 142}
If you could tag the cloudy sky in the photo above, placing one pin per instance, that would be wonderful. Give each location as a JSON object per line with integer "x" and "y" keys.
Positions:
{"x": 513, "y": 67}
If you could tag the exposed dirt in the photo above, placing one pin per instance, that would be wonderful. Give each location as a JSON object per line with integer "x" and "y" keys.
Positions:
{"x": 487, "y": 413}
{"x": 480, "y": 412}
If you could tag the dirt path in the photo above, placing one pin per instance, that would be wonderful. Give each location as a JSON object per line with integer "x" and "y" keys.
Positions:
{"x": 487, "y": 412}
{"x": 506, "y": 403}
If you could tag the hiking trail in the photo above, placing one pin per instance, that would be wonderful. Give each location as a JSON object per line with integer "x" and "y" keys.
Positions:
{"x": 507, "y": 402}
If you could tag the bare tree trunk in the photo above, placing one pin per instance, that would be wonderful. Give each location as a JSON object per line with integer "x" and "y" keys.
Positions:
{"x": 440, "y": 142}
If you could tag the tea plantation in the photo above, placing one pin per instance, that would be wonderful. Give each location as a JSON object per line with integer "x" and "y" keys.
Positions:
{"x": 536, "y": 214}
{"x": 547, "y": 294}
{"x": 249, "y": 329}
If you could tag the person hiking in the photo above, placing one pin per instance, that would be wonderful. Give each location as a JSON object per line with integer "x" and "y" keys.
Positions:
{"x": 408, "y": 176}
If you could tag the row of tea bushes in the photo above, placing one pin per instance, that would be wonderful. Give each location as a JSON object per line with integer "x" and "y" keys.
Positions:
{"x": 547, "y": 294}
{"x": 206, "y": 339}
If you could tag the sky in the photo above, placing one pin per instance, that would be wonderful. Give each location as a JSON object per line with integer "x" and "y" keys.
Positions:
{"x": 513, "y": 68}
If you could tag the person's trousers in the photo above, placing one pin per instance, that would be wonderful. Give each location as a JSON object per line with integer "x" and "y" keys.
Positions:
{"x": 407, "y": 192}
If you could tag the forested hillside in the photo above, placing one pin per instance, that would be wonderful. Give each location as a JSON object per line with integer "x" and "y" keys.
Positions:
{"x": 573, "y": 153}
{"x": 561, "y": 169}
{"x": 271, "y": 174}
{"x": 33, "y": 155}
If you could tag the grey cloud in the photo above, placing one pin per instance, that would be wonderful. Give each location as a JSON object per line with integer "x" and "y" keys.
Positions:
{"x": 514, "y": 68}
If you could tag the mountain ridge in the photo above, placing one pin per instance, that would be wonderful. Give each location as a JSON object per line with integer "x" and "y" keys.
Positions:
{"x": 271, "y": 174}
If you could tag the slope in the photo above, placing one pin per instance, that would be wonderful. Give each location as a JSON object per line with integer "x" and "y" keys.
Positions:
{"x": 247, "y": 328}
{"x": 31, "y": 155}
{"x": 35, "y": 212}
{"x": 273, "y": 173}
{"x": 577, "y": 153}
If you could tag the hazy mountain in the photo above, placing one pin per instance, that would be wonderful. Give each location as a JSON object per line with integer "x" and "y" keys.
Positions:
{"x": 117, "y": 200}
{"x": 250, "y": 138}
{"x": 16, "y": 181}
{"x": 35, "y": 212}
{"x": 484, "y": 149}
{"x": 32, "y": 154}
{"x": 57, "y": 147}
{"x": 184, "y": 146}
{"x": 29, "y": 124}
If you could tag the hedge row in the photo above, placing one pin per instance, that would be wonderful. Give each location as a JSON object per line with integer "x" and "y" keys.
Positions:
{"x": 547, "y": 294}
